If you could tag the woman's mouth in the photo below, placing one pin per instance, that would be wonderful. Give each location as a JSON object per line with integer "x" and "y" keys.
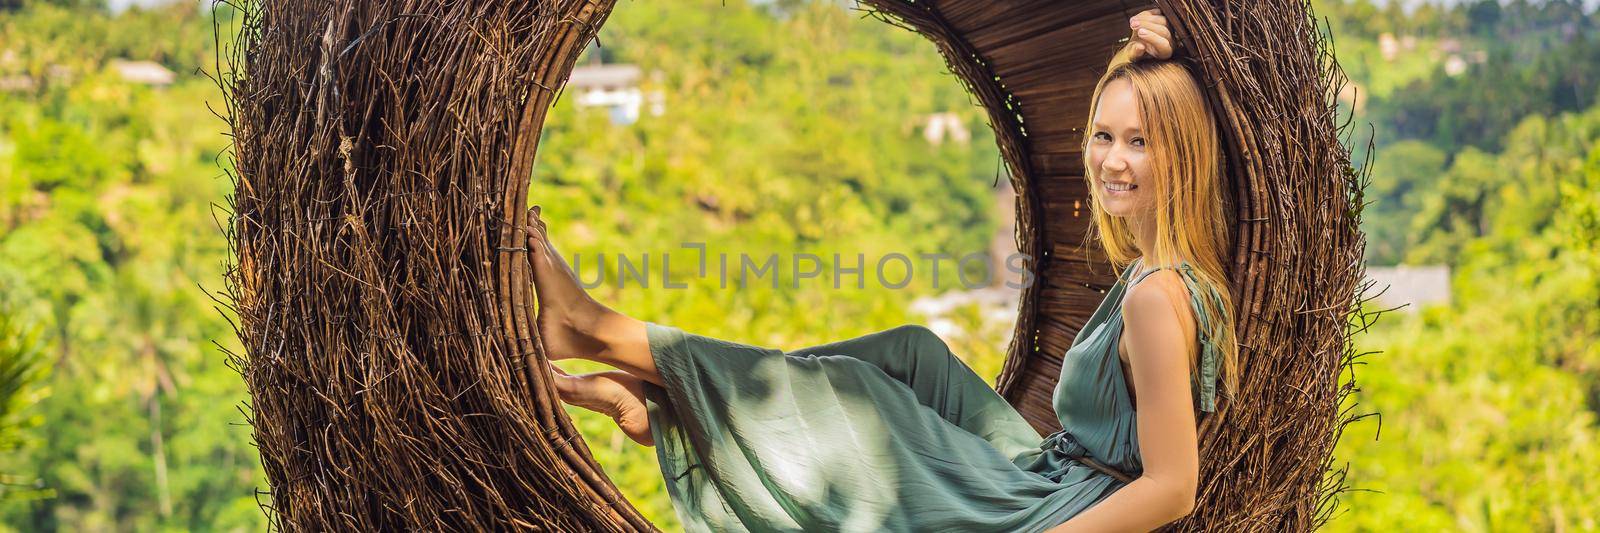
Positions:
{"x": 1119, "y": 188}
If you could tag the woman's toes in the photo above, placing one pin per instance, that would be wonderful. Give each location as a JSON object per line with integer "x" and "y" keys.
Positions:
{"x": 588, "y": 391}
{"x": 564, "y": 308}
{"x": 572, "y": 389}
{"x": 613, "y": 393}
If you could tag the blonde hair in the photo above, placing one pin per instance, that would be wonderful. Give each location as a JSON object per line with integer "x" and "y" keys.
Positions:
{"x": 1192, "y": 218}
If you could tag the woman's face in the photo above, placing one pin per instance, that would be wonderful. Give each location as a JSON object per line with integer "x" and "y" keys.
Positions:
{"x": 1117, "y": 156}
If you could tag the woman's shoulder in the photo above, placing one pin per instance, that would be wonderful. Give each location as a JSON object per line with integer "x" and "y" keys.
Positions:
{"x": 1162, "y": 285}
{"x": 1161, "y": 298}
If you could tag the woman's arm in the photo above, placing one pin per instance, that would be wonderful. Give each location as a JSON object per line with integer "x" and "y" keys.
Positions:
{"x": 1159, "y": 328}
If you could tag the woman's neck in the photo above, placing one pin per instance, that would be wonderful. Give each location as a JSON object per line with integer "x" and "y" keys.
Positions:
{"x": 1144, "y": 237}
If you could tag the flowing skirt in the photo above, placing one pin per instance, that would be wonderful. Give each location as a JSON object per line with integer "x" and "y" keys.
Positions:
{"x": 885, "y": 432}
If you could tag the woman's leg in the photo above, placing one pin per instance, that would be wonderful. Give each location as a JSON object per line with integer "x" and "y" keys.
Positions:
{"x": 916, "y": 356}
{"x": 573, "y": 324}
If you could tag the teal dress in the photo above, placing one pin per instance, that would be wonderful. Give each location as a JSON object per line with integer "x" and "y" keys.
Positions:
{"x": 887, "y": 432}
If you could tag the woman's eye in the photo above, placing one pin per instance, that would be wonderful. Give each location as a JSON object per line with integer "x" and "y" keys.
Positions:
{"x": 1137, "y": 141}
{"x": 1102, "y": 136}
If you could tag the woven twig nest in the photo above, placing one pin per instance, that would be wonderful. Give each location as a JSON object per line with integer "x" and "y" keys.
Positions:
{"x": 382, "y": 288}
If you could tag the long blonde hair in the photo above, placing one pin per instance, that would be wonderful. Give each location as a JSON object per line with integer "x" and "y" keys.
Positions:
{"x": 1192, "y": 217}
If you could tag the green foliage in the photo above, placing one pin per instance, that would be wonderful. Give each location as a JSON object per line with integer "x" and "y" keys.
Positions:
{"x": 1499, "y": 391}
{"x": 1410, "y": 172}
{"x": 792, "y": 128}
{"x": 81, "y": 36}
{"x": 1488, "y": 405}
{"x": 23, "y": 368}
{"x": 107, "y": 236}
{"x": 1504, "y": 201}
{"x": 1536, "y": 60}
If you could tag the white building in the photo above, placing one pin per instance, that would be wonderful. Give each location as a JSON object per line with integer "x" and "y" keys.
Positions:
{"x": 616, "y": 88}
{"x": 143, "y": 72}
{"x": 939, "y": 127}
{"x": 1411, "y": 286}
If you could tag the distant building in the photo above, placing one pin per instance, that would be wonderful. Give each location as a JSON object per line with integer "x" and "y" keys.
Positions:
{"x": 1388, "y": 46}
{"x": 1454, "y": 65}
{"x": 13, "y": 82}
{"x": 17, "y": 83}
{"x": 939, "y": 127}
{"x": 1447, "y": 46}
{"x": 143, "y": 72}
{"x": 1411, "y": 286}
{"x": 997, "y": 305}
{"x": 54, "y": 74}
{"x": 999, "y": 299}
{"x": 614, "y": 87}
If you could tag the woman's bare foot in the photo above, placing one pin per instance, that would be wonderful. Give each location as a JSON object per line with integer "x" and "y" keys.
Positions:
{"x": 568, "y": 316}
{"x": 572, "y": 324}
{"x": 613, "y": 393}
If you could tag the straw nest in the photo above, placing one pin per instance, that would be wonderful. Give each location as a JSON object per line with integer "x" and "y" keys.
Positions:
{"x": 382, "y": 152}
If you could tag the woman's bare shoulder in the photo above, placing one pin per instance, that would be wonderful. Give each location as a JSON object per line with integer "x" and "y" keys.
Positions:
{"x": 1159, "y": 301}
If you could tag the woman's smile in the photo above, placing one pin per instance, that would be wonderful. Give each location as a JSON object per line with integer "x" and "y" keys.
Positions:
{"x": 1119, "y": 189}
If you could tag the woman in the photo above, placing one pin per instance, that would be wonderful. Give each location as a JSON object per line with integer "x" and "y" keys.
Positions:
{"x": 892, "y": 432}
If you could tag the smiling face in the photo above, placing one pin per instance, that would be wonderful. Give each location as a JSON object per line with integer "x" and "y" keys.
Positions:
{"x": 1119, "y": 167}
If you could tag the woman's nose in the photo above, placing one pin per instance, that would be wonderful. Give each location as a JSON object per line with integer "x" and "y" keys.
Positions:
{"x": 1114, "y": 162}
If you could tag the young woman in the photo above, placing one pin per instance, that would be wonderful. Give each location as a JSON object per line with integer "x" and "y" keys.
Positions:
{"x": 891, "y": 431}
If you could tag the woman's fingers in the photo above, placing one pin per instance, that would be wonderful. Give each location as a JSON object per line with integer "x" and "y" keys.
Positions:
{"x": 1151, "y": 17}
{"x": 1159, "y": 29}
{"x": 1142, "y": 20}
{"x": 1157, "y": 46}
{"x": 1151, "y": 34}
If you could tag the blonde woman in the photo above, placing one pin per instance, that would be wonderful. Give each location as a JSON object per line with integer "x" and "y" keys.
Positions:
{"x": 891, "y": 431}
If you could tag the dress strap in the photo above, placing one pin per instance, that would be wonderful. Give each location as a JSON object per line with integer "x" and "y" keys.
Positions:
{"x": 1134, "y": 280}
{"x": 1210, "y": 355}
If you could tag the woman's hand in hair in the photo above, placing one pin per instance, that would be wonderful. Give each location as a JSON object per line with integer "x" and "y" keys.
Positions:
{"x": 1151, "y": 37}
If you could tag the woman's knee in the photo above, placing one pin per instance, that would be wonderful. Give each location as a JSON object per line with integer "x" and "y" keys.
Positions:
{"x": 921, "y": 339}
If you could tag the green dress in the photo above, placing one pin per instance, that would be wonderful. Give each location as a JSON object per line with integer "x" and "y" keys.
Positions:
{"x": 887, "y": 432}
